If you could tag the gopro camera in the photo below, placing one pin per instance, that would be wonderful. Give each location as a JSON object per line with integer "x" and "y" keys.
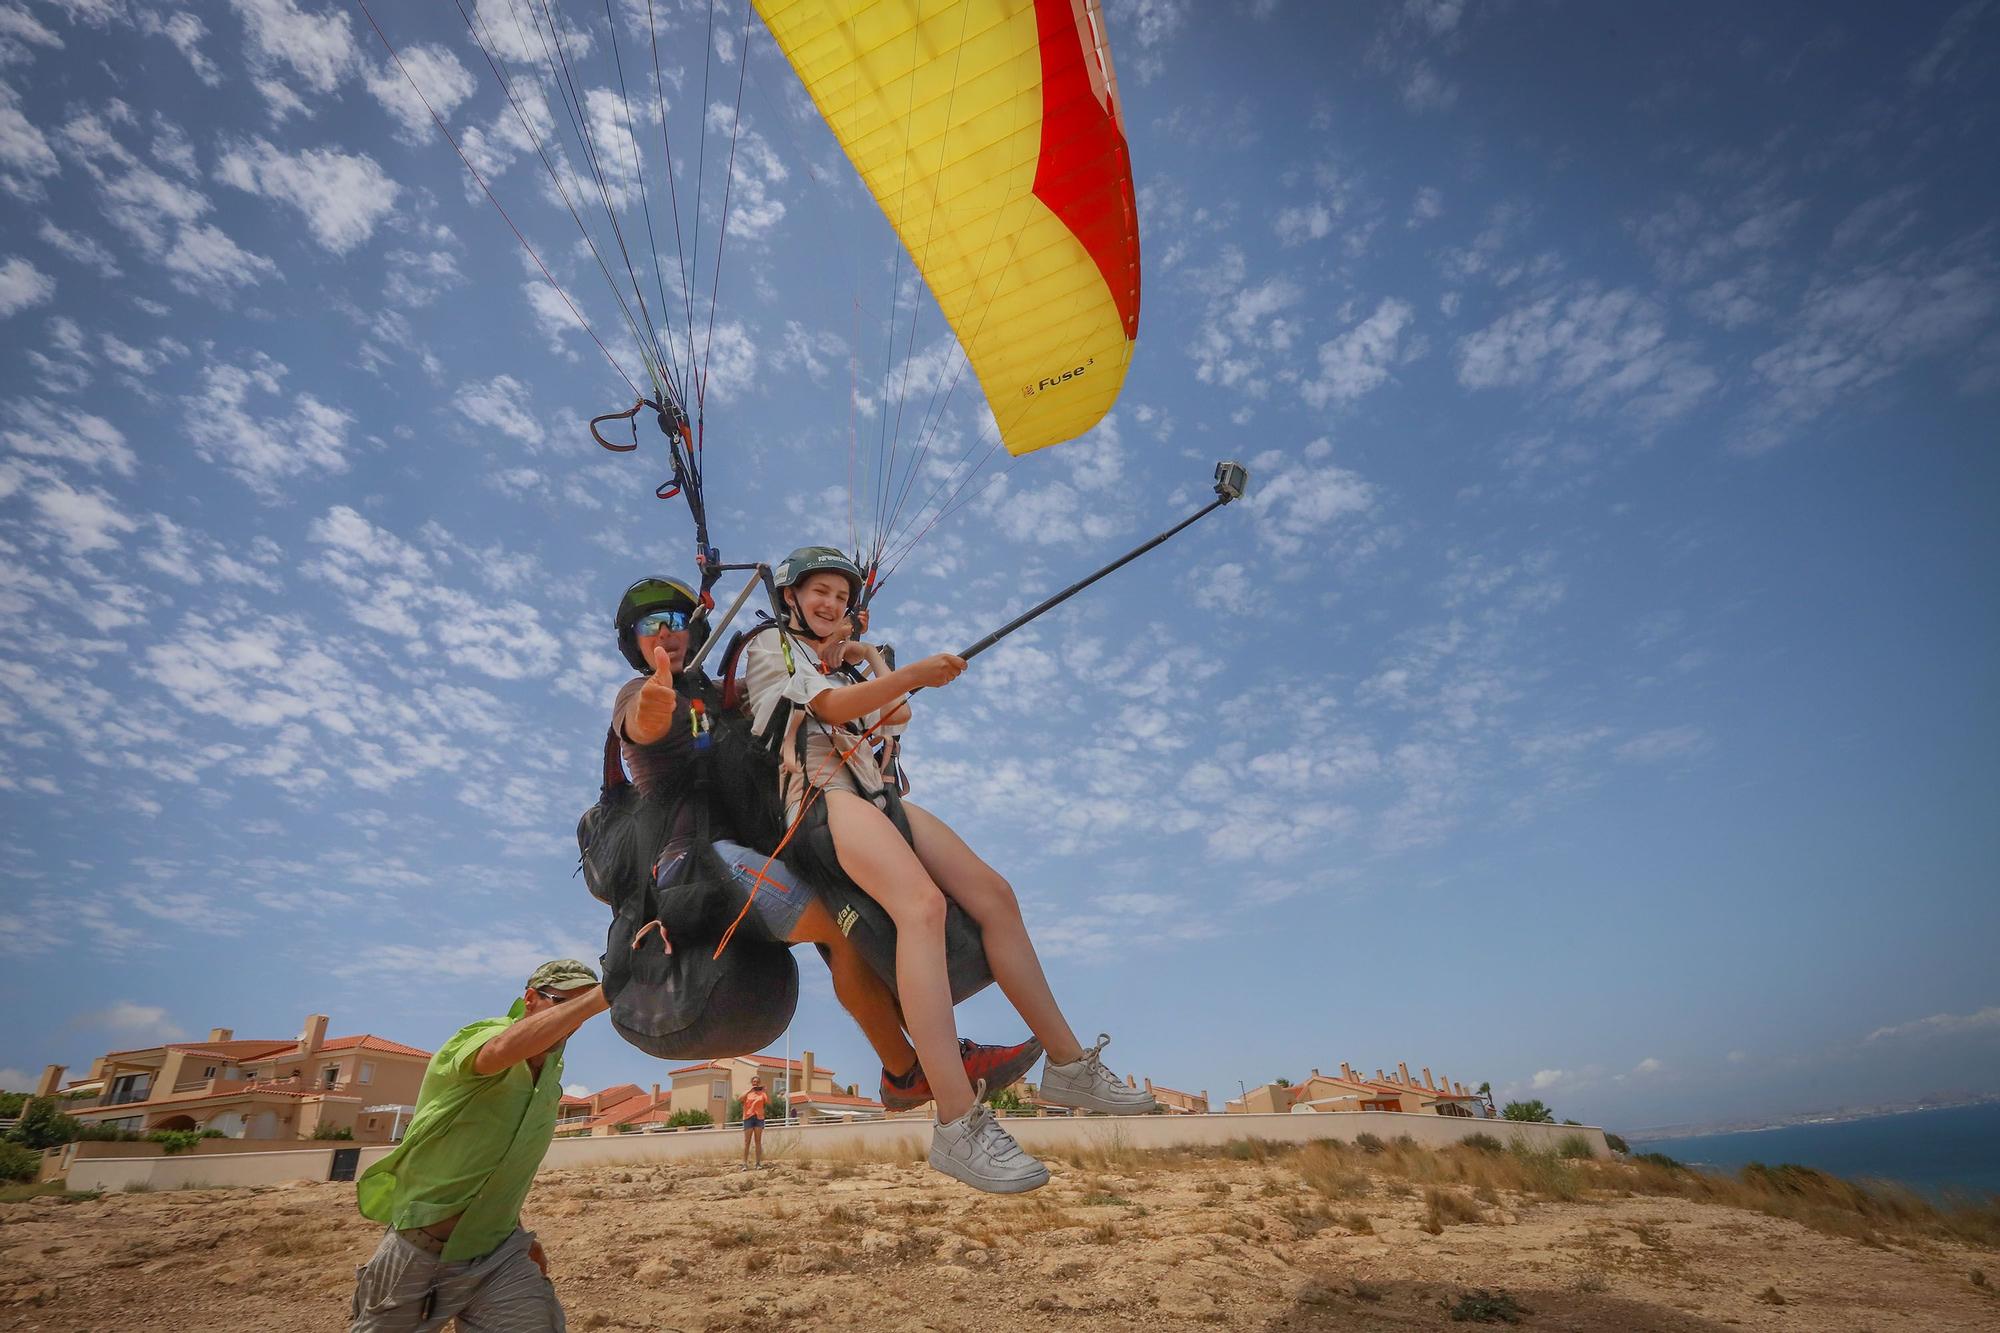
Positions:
{"x": 1230, "y": 481}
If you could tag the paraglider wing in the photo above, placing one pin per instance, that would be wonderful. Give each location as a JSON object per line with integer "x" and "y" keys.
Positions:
{"x": 990, "y": 133}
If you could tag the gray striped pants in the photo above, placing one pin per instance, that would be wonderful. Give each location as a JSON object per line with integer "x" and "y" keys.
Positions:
{"x": 405, "y": 1289}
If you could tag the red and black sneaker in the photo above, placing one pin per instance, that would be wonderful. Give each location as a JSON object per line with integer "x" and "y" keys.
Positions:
{"x": 1000, "y": 1066}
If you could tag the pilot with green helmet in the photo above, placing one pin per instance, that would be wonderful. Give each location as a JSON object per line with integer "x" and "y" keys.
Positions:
{"x": 666, "y": 724}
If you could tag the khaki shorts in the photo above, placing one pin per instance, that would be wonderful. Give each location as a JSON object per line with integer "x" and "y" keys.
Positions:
{"x": 405, "y": 1288}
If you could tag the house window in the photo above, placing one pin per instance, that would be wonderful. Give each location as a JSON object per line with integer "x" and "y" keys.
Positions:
{"x": 126, "y": 1122}
{"x": 208, "y": 1071}
{"x": 330, "y": 1077}
{"x": 367, "y": 1072}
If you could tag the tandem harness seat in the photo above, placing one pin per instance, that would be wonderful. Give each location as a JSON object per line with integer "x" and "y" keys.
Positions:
{"x": 691, "y": 1004}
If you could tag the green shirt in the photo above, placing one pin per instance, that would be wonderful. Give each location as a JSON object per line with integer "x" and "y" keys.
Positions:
{"x": 472, "y": 1148}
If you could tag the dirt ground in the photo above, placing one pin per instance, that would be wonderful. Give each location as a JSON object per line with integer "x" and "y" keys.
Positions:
{"x": 1124, "y": 1244}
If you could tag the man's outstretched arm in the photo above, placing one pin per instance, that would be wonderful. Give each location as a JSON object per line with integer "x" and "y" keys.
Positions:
{"x": 539, "y": 1033}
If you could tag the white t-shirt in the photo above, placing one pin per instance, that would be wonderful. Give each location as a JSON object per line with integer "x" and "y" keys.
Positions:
{"x": 835, "y": 756}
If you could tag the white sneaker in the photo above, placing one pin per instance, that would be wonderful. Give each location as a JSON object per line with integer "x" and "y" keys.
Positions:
{"x": 974, "y": 1149}
{"x": 1084, "y": 1084}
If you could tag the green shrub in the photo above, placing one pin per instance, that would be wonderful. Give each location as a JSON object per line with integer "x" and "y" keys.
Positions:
{"x": 1616, "y": 1144}
{"x": 1661, "y": 1160}
{"x": 1528, "y": 1112}
{"x": 11, "y": 1104}
{"x": 1369, "y": 1142}
{"x": 1574, "y": 1146}
{"x": 89, "y": 1133}
{"x": 683, "y": 1119}
{"x": 180, "y": 1140}
{"x": 1010, "y": 1101}
{"x": 43, "y": 1125}
{"x": 327, "y": 1132}
{"x": 18, "y": 1162}
{"x": 1482, "y": 1143}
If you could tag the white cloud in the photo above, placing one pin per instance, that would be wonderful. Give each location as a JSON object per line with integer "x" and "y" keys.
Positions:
{"x": 445, "y": 82}
{"x": 1545, "y": 1079}
{"x": 1649, "y": 1065}
{"x": 1854, "y": 328}
{"x": 1359, "y": 360}
{"x": 22, "y": 285}
{"x": 265, "y": 452}
{"x": 86, "y": 520}
{"x": 82, "y": 249}
{"x": 131, "y": 1022}
{"x": 38, "y": 429}
{"x": 1607, "y": 348}
{"x": 1980, "y": 1023}
{"x": 501, "y": 404}
{"x": 1424, "y": 89}
{"x": 25, "y": 154}
{"x": 1303, "y": 503}
{"x": 185, "y": 31}
{"x": 342, "y": 195}
{"x": 319, "y": 48}
{"x": 18, "y": 31}
{"x": 1667, "y": 743}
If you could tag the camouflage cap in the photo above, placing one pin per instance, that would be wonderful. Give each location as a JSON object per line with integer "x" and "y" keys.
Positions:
{"x": 562, "y": 974}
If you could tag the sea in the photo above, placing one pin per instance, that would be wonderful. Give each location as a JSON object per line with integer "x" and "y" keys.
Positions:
{"x": 1952, "y": 1150}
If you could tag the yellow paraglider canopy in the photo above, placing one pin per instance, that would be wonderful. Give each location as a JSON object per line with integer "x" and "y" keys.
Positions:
{"x": 990, "y": 133}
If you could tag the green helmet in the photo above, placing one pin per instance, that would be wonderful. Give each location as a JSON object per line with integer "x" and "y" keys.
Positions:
{"x": 650, "y": 595}
{"x": 812, "y": 560}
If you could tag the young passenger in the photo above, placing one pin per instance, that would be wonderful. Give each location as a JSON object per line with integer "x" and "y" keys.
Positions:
{"x": 659, "y": 728}
{"x": 837, "y": 779}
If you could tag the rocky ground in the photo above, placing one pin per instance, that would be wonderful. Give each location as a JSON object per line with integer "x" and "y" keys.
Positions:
{"x": 1114, "y": 1243}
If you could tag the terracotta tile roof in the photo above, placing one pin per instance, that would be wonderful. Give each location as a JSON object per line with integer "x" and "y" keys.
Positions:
{"x": 689, "y": 1069}
{"x": 626, "y": 1112}
{"x": 367, "y": 1041}
{"x": 835, "y": 1099}
{"x": 222, "y": 1050}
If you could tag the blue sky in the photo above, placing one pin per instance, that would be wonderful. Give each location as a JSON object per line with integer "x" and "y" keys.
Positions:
{"x": 1594, "y": 697}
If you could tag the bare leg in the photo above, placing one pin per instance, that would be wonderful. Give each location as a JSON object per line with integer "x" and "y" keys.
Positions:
{"x": 989, "y": 899}
{"x": 875, "y": 856}
{"x": 865, "y": 996}
{"x": 757, "y": 1135}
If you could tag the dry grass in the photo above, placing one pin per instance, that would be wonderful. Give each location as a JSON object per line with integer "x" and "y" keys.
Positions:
{"x": 1874, "y": 1213}
{"x": 1442, "y": 1208}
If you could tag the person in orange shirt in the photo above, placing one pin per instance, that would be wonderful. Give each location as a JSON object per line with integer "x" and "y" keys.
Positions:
{"x": 755, "y": 1103}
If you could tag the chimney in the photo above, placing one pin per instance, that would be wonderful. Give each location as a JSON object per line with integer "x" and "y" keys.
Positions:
{"x": 1427, "y": 1079}
{"x": 805, "y": 1075}
{"x": 1379, "y": 1078}
{"x": 1346, "y": 1072}
{"x": 1458, "y": 1088}
{"x": 51, "y": 1079}
{"x": 1315, "y": 1072}
{"x": 1403, "y": 1071}
{"x": 1149, "y": 1085}
{"x": 656, "y": 1094}
{"x": 310, "y": 1041}
{"x": 1130, "y": 1084}
{"x": 221, "y": 1034}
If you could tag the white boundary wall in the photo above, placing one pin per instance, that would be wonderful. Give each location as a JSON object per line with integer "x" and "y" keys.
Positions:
{"x": 863, "y": 1137}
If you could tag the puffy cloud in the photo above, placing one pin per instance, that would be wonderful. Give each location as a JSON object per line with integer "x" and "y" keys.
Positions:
{"x": 342, "y": 195}
{"x": 82, "y": 249}
{"x": 263, "y": 451}
{"x": 1980, "y": 1023}
{"x": 85, "y": 520}
{"x": 501, "y": 404}
{"x": 1359, "y": 360}
{"x": 319, "y": 48}
{"x": 22, "y": 285}
{"x": 185, "y": 31}
{"x": 25, "y": 154}
{"x": 131, "y": 1021}
{"x": 1606, "y": 348}
{"x": 38, "y": 429}
{"x": 444, "y": 80}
